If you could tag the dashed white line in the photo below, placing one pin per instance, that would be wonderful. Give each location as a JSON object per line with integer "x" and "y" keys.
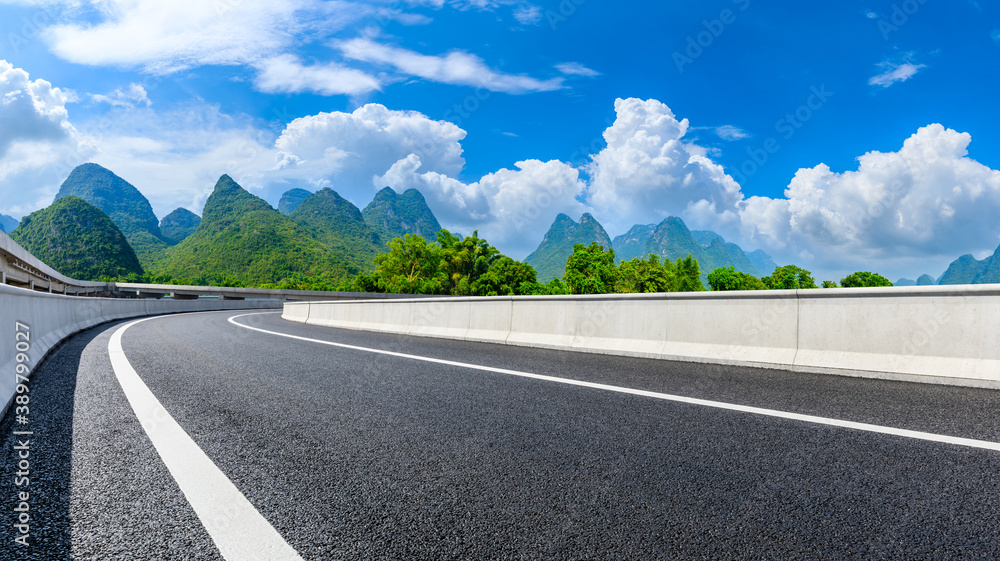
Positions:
{"x": 968, "y": 442}
{"x": 238, "y": 529}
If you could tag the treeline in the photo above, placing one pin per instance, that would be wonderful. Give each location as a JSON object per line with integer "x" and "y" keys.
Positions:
{"x": 788, "y": 277}
{"x": 469, "y": 266}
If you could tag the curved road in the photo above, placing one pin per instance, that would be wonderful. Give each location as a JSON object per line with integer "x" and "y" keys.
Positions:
{"x": 390, "y": 447}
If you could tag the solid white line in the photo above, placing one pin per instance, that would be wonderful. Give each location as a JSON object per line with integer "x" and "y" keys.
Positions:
{"x": 969, "y": 442}
{"x": 236, "y": 527}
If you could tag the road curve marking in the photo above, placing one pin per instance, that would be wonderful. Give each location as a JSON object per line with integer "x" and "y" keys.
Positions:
{"x": 918, "y": 435}
{"x": 238, "y": 529}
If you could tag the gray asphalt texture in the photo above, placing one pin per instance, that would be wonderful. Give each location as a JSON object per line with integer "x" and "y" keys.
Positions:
{"x": 353, "y": 455}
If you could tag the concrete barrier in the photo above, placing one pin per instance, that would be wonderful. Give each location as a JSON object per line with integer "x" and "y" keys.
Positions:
{"x": 51, "y": 318}
{"x": 936, "y": 334}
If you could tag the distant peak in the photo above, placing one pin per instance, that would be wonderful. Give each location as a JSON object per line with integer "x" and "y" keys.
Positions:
{"x": 564, "y": 218}
{"x": 386, "y": 192}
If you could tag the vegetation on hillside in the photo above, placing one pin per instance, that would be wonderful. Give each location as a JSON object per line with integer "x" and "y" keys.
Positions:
{"x": 242, "y": 240}
{"x": 592, "y": 270}
{"x": 393, "y": 216}
{"x": 123, "y": 203}
{"x": 557, "y": 245}
{"x": 338, "y": 224}
{"x": 78, "y": 240}
{"x": 178, "y": 225}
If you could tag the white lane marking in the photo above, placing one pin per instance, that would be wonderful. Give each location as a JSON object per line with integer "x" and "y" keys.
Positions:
{"x": 969, "y": 442}
{"x": 239, "y": 531}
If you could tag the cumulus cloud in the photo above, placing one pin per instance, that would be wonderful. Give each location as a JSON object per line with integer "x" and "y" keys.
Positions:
{"x": 36, "y": 139}
{"x": 895, "y": 73}
{"x": 287, "y": 74}
{"x": 346, "y": 150}
{"x": 511, "y": 208}
{"x": 648, "y": 172}
{"x": 456, "y": 67}
{"x": 929, "y": 199}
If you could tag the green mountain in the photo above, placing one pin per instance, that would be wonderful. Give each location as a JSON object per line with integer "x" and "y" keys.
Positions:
{"x": 969, "y": 270}
{"x": 241, "y": 239}
{"x": 671, "y": 240}
{"x": 905, "y": 282}
{"x": 926, "y": 280}
{"x": 77, "y": 239}
{"x": 291, "y": 200}
{"x": 7, "y": 223}
{"x": 392, "y": 215}
{"x": 336, "y": 222}
{"x": 123, "y": 203}
{"x": 762, "y": 262}
{"x": 549, "y": 260}
{"x": 178, "y": 225}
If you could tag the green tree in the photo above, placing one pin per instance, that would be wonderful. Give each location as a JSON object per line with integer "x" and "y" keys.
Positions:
{"x": 412, "y": 266}
{"x": 862, "y": 279}
{"x": 505, "y": 277}
{"x": 728, "y": 278}
{"x": 829, "y": 284}
{"x": 643, "y": 276}
{"x": 789, "y": 277}
{"x": 591, "y": 270}
{"x": 464, "y": 261}
{"x": 687, "y": 275}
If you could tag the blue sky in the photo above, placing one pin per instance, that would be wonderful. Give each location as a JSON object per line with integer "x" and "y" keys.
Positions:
{"x": 737, "y": 115}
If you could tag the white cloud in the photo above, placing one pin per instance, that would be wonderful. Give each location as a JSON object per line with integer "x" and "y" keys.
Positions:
{"x": 929, "y": 200}
{"x": 286, "y": 74}
{"x": 871, "y": 14}
{"x": 134, "y": 96}
{"x": 576, "y": 69}
{"x": 165, "y": 37}
{"x": 729, "y": 132}
{"x": 647, "y": 172}
{"x": 456, "y": 67}
{"x": 895, "y": 73}
{"x": 346, "y": 150}
{"x": 528, "y": 14}
{"x": 36, "y": 139}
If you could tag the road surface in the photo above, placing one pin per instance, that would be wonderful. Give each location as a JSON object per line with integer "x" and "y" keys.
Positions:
{"x": 271, "y": 443}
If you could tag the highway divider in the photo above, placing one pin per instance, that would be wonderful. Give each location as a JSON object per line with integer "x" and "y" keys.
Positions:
{"x": 938, "y": 334}
{"x": 32, "y": 323}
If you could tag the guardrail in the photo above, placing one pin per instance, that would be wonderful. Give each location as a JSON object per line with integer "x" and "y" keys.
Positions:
{"x": 20, "y": 268}
{"x": 34, "y": 323}
{"x": 929, "y": 334}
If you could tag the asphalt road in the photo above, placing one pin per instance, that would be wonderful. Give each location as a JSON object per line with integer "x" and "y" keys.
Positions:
{"x": 354, "y": 455}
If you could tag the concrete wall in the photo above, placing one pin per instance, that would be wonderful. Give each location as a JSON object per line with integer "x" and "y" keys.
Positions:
{"x": 52, "y": 318}
{"x": 930, "y": 334}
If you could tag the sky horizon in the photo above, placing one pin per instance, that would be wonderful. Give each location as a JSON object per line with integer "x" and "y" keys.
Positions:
{"x": 854, "y": 136}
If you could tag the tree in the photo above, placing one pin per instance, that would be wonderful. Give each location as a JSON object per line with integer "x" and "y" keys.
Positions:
{"x": 643, "y": 276}
{"x": 728, "y": 278}
{"x": 412, "y": 266}
{"x": 591, "y": 270}
{"x": 829, "y": 284}
{"x": 863, "y": 279}
{"x": 687, "y": 274}
{"x": 789, "y": 277}
{"x": 464, "y": 261}
{"x": 505, "y": 277}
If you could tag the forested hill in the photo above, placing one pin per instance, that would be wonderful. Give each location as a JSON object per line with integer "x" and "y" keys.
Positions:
{"x": 242, "y": 240}
{"x": 77, "y": 239}
{"x": 123, "y": 203}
